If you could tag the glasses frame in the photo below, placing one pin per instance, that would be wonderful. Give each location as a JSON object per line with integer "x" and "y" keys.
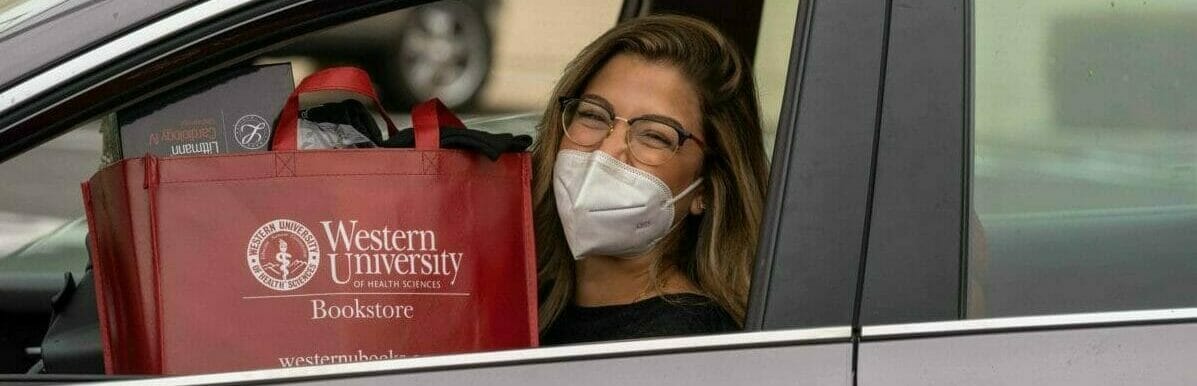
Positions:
{"x": 682, "y": 133}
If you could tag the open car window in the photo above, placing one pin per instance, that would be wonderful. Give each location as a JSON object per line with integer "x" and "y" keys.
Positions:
{"x": 522, "y": 47}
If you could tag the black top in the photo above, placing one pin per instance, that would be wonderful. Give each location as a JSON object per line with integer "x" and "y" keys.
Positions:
{"x": 675, "y": 314}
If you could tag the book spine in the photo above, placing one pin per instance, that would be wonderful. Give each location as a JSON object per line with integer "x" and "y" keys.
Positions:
{"x": 111, "y": 140}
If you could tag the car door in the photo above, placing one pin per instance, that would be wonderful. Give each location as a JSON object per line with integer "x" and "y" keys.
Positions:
{"x": 824, "y": 92}
{"x": 1031, "y": 215}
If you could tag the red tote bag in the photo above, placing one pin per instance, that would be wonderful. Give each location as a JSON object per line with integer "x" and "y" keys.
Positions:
{"x": 295, "y": 258}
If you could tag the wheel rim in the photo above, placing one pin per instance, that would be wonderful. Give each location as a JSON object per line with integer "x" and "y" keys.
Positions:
{"x": 444, "y": 53}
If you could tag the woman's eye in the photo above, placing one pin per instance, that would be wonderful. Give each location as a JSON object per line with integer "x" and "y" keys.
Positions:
{"x": 655, "y": 139}
{"x": 592, "y": 119}
{"x": 591, "y": 115}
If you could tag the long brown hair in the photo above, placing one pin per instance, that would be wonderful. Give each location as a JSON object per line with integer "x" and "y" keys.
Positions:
{"x": 714, "y": 250}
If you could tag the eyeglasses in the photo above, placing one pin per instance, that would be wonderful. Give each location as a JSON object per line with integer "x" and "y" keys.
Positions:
{"x": 653, "y": 140}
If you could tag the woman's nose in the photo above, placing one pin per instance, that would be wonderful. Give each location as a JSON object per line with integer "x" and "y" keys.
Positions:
{"x": 616, "y": 144}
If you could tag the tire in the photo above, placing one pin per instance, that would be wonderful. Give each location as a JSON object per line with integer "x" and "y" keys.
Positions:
{"x": 442, "y": 50}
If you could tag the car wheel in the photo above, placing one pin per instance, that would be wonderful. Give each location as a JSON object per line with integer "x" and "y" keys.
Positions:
{"x": 443, "y": 50}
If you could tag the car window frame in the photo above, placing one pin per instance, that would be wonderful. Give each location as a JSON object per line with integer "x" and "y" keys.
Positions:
{"x": 69, "y": 27}
{"x": 810, "y": 261}
{"x": 914, "y": 265}
{"x": 816, "y": 338}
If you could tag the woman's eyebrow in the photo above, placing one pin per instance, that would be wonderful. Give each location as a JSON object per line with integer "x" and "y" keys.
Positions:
{"x": 666, "y": 120}
{"x": 657, "y": 117}
{"x": 600, "y": 100}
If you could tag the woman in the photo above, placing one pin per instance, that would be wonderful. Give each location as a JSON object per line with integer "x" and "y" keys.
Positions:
{"x": 649, "y": 186}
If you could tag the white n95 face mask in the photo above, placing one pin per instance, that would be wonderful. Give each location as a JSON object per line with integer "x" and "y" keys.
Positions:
{"x": 609, "y": 208}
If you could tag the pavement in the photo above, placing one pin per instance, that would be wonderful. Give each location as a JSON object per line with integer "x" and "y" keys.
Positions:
{"x": 40, "y": 190}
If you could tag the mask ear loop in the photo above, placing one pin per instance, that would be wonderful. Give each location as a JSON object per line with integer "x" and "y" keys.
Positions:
{"x": 679, "y": 196}
{"x": 684, "y": 192}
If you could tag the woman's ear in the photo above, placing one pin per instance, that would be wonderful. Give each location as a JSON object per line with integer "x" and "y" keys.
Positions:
{"x": 698, "y": 205}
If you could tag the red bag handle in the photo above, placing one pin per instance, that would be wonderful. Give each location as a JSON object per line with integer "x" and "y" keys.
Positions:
{"x": 427, "y": 119}
{"x": 351, "y": 79}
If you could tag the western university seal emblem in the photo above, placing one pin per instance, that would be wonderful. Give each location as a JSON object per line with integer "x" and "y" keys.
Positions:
{"x": 283, "y": 255}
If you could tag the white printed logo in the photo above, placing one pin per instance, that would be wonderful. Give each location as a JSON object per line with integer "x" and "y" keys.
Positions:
{"x": 252, "y": 132}
{"x": 283, "y": 254}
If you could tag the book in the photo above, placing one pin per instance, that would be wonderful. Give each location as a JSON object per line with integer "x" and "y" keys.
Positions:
{"x": 232, "y": 111}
